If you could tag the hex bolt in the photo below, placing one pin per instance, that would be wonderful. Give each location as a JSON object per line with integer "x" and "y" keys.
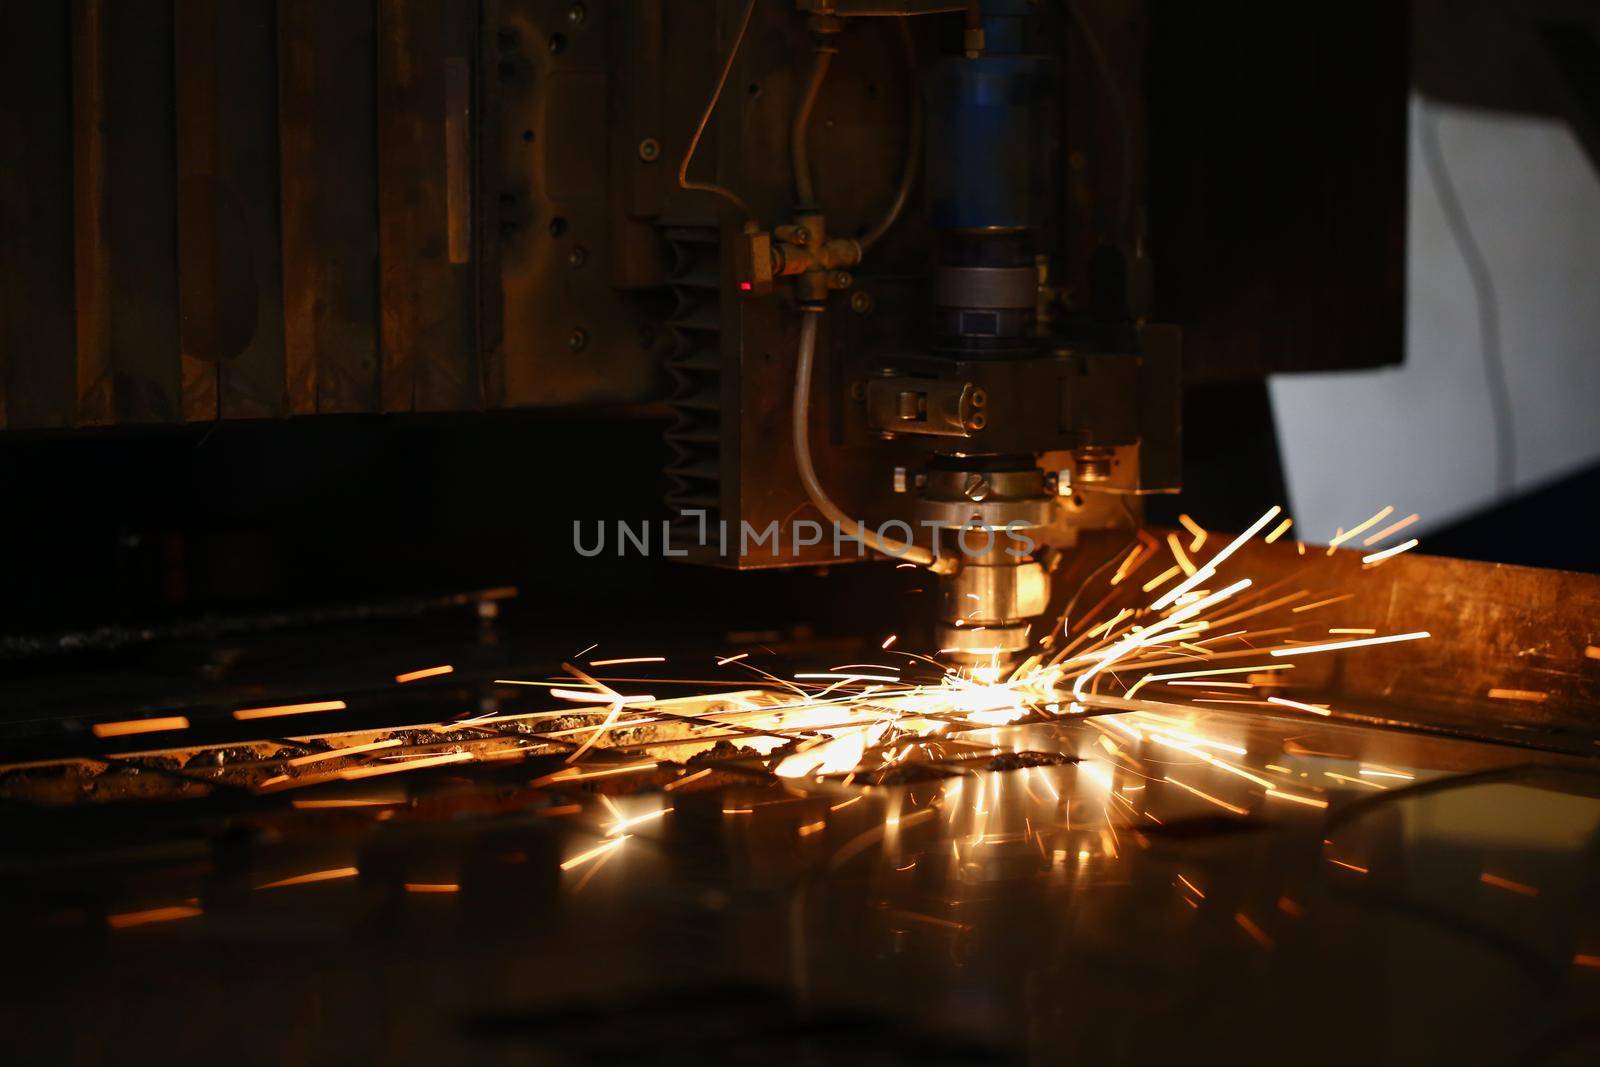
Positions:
{"x": 840, "y": 279}
{"x": 861, "y": 302}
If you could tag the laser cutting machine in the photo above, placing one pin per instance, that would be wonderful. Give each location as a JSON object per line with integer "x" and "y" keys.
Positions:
{"x": 905, "y": 266}
{"x": 323, "y": 321}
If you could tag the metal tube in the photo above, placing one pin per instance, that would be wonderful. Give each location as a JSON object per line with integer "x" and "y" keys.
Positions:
{"x": 802, "y": 453}
{"x": 908, "y": 173}
{"x": 804, "y": 189}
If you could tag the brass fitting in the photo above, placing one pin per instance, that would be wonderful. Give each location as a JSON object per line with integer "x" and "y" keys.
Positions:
{"x": 804, "y": 251}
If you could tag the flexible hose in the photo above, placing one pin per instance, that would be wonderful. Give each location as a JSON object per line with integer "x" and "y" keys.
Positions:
{"x": 804, "y": 189}
{"x": 802, "y": 453}
{"x": 908, "y": 173}
{"x": 705, "y": 116}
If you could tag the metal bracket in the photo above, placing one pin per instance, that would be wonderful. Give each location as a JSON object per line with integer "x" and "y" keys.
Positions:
{"x": 936, "y": 407}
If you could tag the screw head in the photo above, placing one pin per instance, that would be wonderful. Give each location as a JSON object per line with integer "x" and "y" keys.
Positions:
{"x": 861, "y": 302}
{"x": 578, "y": 339}
{"x": 576, "y": 13}
{"x": 840, "y": 279}
{"x": 979, "y": 398}
{"x": 976, "y": 488}
{"x": 649, "y": 149}
{"x": 578, "y": 256}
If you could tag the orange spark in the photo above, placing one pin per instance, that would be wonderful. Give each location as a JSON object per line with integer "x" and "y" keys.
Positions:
{"x": 1387, "y": 530}
{"x": 680, "y": 782}
{"x": 1507, "y": 884}
{"x": 312, "y": 876}
{"x": 1527, "y": 696}
{"x": 631, "y": 659}
{"x": 724, "y": 661}
{"x": 432, "y": 887}
{"x": 1348, "y": 866}
{"x": 887, "y": 641}
{"x": 1310, "y": 802}
{"x": 1379, "y": 557}
{"x": 1208, "y": 797}
{"x": 1211, "y": 566}
{"x": 346, "y": 802}
{"x": 573, "y": 774}
{"x": 1290, "y": 908}
{"x": 1583, "y": 959}
{"x": 123, "y": 920}
{"x": 1315, "y": 709}
{"x": 1352, "y": 781}
{"x": 1192, "y": 887}
{"x": 335, "y": 753}
{"x": 140, "y": 726}
{"x": 352, "y": 773}
{"x": 1194, "y": 528}
{"x": 599, "y": 850}
{"x": 1334, "y": 646}
{"x": 1179, "y": 555}
{"x": 426, "y": 672}
{"x": 1252, "y": 929}
{"x": 1344, "y": 535}
{"x": 1162, "y": 578}
{"x": 595, "y": 696}
{"x": 245, "y": 714}
{"x": 635, "y": 821}
{"x": 1278, "y": 531}
{"x": 1322, "y": 603}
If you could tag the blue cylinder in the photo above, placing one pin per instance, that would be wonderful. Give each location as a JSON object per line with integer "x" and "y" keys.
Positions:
{"x": 991, "y": 144}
